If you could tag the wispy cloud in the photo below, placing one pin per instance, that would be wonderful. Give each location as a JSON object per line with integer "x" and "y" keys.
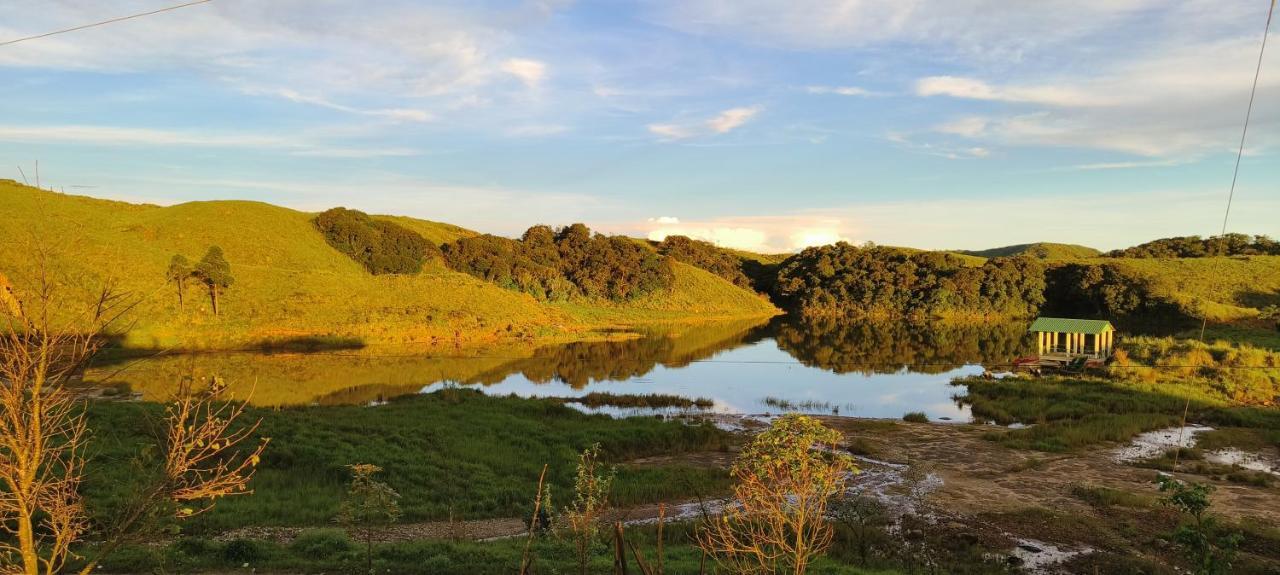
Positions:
{"x": 398, "y": 114}
{"x": 839, "y": 90}
{"x": 722, "y": 123}
{"x": 978, "y": 90}
{"x": 531, "y": 72}
{"x": 122, "y": 136}
{"x": 767, "y": 234}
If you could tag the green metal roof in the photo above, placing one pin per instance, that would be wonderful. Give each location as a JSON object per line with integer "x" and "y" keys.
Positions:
{"x": 1066, "y": 325}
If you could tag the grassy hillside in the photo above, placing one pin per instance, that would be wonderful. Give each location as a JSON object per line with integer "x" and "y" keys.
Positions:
{"x": 1039, "y": 250}
{"x": 289, "y": 283}
{"x": 1224, "y": 289}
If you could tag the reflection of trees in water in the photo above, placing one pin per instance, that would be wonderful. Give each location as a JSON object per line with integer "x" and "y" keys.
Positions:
{"x": 868, "y": 348}
{"x": 578, "y": 364}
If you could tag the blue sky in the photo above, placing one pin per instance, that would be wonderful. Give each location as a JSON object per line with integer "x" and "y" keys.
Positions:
{"x": 763, "y": 124}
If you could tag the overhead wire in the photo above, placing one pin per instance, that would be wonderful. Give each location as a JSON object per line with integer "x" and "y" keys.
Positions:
{"x": 104, "y": 22}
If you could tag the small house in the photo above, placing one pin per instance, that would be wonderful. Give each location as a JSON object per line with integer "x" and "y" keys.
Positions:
{"x": 1071, "y": 338}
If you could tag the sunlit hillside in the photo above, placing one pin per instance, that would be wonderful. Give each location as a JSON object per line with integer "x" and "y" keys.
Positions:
{"x": 289, "y": 283}
{"x": 1038, "y": 250}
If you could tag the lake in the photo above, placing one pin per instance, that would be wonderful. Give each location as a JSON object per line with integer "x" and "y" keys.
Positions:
{"x": 751, "y": 367}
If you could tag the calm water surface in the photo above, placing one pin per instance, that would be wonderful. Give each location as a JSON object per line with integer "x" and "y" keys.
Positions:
{"x": 855, "y": 369}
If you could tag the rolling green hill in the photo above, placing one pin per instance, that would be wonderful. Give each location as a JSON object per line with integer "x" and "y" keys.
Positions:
{"x": 289, "y": 283}
{"x": 1223, "y": 289}
{"x": 1039, "y": 250}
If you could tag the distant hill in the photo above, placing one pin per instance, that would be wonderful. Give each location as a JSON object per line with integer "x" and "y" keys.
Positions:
{"x": 1039, "y": 250}
{"x": 290, "y": 284}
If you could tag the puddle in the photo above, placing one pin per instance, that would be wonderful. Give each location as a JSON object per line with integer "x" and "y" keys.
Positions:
{"x": 1245, "y": 459}
{"x": 1156, "y": 443}
{"x": 1041, "y": 557}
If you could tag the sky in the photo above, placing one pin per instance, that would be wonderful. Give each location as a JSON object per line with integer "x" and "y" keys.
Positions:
{"x": 768, "y": 125}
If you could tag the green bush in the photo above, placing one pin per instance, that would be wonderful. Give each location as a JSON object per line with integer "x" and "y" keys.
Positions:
{"x": 243, "y": 551}
{"x": 322, "y": 543}
{"x": 916, "y": 417}
{"x": 382, "y": 247}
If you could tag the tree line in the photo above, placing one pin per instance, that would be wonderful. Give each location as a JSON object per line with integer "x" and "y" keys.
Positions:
{"x": 1196, "y": 247}
{"x": 559, "y": 264}
{"x": 843, "y": 280}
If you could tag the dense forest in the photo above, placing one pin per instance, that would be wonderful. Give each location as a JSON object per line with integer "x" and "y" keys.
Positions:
{"x": 842, "y": 280}
{"x": 1195, "y": 247}
{"x": 559, "y": 264}
{"x": 382, "y": 247}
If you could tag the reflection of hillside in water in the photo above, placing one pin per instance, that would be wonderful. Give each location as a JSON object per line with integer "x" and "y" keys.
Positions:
{"x": 871, "y": 348}
{"x": 579, "y": 364}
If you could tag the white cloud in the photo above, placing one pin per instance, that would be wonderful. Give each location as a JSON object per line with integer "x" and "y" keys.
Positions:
{"x": 966, "y": 25}
{"x": 732, "y": 118}
{"x": 122, "y": 136}
{"x": 398, "y": 114}
{"x": 978, "y": 90}
{"x": 722, "y": 123}
{"x": 838, "y": 90}
{"x": 765, "y": 234}
{"x": 347, "y": 51}
{"x": 671, "y": 131}
{"x": 531, "y": 72}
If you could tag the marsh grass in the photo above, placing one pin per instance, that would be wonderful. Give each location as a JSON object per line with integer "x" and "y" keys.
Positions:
{"x": 455, "y": 450}
{"x": 1071, "y": 413}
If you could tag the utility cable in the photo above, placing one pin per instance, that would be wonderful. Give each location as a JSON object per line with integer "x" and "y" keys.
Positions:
{"x": 104, "y": 22}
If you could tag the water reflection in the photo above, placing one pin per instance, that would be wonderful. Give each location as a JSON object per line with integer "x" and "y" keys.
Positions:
{"x": 870, "y": 370}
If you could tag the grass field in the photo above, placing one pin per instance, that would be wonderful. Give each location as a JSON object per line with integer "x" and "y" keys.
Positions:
{"x": 453, "y": 451}
{"x": 289, "y": 283}
{"x": 1223, "y": 289}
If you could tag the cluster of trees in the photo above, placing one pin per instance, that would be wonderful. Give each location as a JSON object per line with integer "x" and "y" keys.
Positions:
{"x": 559, "y": 264}
{"x": 1103, "y": 290}
{"x": 382, "y": 247}
{"x": 1196, "y": 247}
{"x": 843, "y": 280}
{"x": 707, "y": 256}
{"x": 212, "y": 270}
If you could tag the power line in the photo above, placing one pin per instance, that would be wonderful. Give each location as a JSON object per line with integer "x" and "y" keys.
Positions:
{"x": 1235, "y": 172}
{"x": 103, "y": 22}
{"x": 1248, "y": 112}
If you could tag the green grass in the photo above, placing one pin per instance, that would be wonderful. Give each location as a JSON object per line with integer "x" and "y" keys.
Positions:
{"x": 289, "y": 283}
{"x": 329, "y": 553}
{"x": 1223, "y": 289}
{"x": 1074, "y": 413}
{"x": 1039, "y": 250}
{"x": 458, "y": 450}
